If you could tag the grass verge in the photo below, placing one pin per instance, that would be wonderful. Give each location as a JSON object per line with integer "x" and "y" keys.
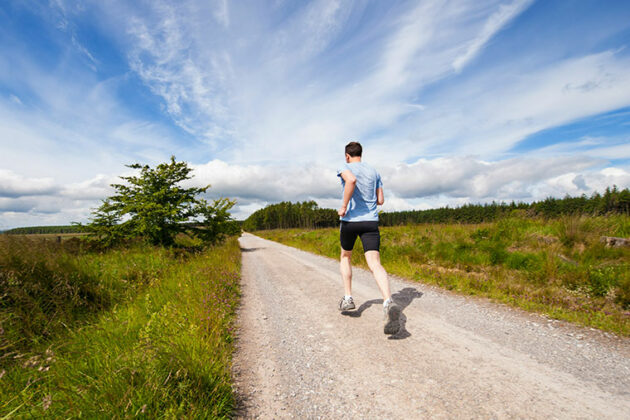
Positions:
{"x": 555, "y": 267}
{"x": 163, "y": 352}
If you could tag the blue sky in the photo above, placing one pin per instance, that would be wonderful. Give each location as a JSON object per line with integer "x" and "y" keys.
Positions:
{"x": 453, "y": 101}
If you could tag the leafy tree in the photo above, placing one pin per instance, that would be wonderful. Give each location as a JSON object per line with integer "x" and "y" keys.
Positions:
{"x": 155, "y": 206}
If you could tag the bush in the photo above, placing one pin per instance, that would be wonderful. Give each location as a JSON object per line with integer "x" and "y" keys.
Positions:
{"x": 520, "y": 261}
{"x": 569, "y": 231}
{"x": 480, "y": 234}
{"x": 496, "y": 252}
{"x": 601, "y": 280}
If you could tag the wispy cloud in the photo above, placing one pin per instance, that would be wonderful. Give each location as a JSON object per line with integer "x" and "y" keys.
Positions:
{"x": 494, "y": 23}
{"x": 222, "y": 13}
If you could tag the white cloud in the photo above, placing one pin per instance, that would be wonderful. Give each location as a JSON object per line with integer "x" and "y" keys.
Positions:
{"x": 423, "y": 184}
{"x": 474, "y": 179}
{"x": 268, "y": 183}
{"x": 298, "y": 85}
{"x": 488, "y": 114}
{"x": 616, "y": 147}
{"x": 170, "y": 60}
{"x": 93, "y": 189}
{"x": 494, "y": 23}
{"x": 222, "y": 13}
{"x": 14, "y": 185}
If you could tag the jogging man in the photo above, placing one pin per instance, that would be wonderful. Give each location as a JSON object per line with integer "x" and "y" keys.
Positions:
{"x": 362, "y": 192}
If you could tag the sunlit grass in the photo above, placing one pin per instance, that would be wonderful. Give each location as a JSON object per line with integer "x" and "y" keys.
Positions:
{"x": 557, "y": 267}
{"x": 162, "y": 349}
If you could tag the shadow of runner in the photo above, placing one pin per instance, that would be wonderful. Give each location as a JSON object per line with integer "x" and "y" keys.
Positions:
{"x": 357, "y": 313}
{"x": 404, "y": 298}
{"x": 249, "y": 249}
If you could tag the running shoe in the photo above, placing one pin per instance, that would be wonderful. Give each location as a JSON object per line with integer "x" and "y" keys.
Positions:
{"x": 346, "y": 304}
{"x": 391, "y": 313}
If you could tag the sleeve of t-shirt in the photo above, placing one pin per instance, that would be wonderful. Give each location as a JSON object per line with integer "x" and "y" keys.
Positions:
{"x": 379, "y": 183}
{"x": 342, "y": 168}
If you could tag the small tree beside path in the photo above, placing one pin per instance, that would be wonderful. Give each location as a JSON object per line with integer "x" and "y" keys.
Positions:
{"x": 155, "y": 207}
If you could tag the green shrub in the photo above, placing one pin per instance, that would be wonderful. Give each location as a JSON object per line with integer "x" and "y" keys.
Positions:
{"x": 601, "y": 280}
{"x": 569, "y": 230}
{"x": 520, "y": 261}
{"x": 497, "y": 253}
{"x": 480, "y": 234}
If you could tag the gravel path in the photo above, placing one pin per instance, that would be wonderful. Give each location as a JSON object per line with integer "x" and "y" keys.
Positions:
{"x": 454, "y": 357}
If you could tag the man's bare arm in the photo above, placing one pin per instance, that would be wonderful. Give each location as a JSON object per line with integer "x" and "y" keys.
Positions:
{"x": 348, "y": 190}
{"x": 380, "y": 197}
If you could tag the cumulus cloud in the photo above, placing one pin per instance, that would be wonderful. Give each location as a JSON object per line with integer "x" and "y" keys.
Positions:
{"x": 49, "y": 201}
{"x": 13, "y": 185}
{"x": 96, "y": 188}
{"x": 476, "y": 179}
{"x": 269, "y": 183}
{"x": 423, "y": 184}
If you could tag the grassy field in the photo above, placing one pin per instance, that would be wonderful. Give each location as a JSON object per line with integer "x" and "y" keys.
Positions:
{"x": 555, "y": 267}
{"x": 140, "y": 331}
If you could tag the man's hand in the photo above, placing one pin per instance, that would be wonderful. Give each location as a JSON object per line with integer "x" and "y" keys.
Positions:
{"x": 342, "y": 211}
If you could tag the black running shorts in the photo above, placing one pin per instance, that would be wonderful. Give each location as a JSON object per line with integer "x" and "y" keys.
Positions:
{"x": 367, "y": 231}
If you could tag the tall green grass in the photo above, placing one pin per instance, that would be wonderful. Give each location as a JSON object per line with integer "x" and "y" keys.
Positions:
{"x": 558, "y": 267}
{"x": 49, "y": 287}
{"x": 154, "y": 337}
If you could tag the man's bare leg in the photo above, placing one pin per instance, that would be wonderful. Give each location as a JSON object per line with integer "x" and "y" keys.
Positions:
{"x": 391, "y": 310}
{"x": 373, "y": 259}
{"x": 346, "y": 271}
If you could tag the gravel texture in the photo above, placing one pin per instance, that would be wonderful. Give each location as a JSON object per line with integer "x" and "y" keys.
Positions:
{"x": 454, "y": 357}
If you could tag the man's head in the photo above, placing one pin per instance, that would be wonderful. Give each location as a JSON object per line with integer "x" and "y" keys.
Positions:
{"x": 353, "y": 151}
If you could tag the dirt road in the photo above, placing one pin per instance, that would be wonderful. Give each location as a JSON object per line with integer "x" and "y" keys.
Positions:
{"x": 454, "y": 357}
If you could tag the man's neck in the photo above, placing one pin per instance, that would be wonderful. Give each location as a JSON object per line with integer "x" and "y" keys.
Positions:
{"x": 354, "y": 159}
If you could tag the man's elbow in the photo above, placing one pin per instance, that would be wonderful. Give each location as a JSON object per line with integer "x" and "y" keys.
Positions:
{"x": 352, "y": 181}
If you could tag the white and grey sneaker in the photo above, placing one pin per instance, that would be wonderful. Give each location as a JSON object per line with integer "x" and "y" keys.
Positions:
{"x": 391, "y": 312}
{"x": 346, "y": 304}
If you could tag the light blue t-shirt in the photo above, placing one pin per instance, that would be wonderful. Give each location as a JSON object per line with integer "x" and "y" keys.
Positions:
{"x": 362, "y": 205}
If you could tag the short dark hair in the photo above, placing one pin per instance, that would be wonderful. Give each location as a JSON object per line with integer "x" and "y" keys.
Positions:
{"x": 354, "y": 149}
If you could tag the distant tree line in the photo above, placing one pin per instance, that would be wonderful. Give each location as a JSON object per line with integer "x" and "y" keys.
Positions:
{"x": 291, "y": 215}
{"x": 46, "y": 229}
{"x": 612, "y": 201}
{"x": 307, "y": 215}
